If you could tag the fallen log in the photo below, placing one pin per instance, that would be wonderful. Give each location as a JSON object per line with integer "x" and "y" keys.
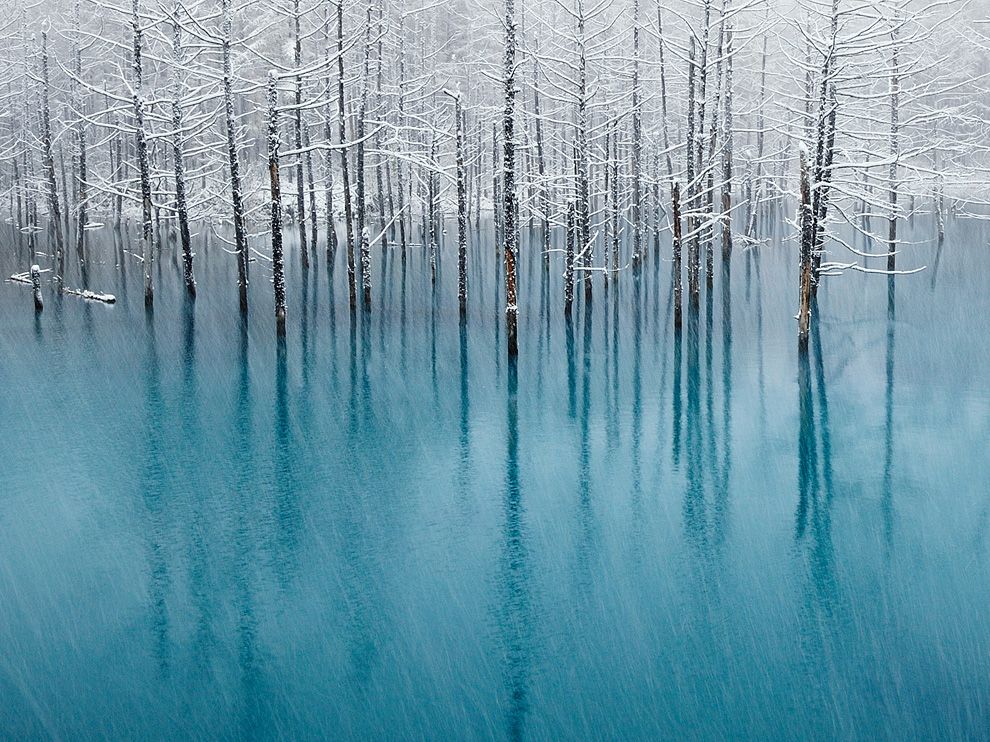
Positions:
{"x": 27, "y": 278}
{"x": 92, "y": 295}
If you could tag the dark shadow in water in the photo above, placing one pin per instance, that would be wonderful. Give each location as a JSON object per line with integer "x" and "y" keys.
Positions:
{"x": 288, "y": 518}
{"x": 514, "y": 599}
{"x": 613, "y": 417}
{"x": 694, "y": 507}
{"x": 887, "y": 493}
{"x": 204, "y": 641}
{"x": 722, "y": 488}
{"x": 571, "y": 371}
{"x": 154, "y": 485}
{"x": 815, "y": 551}
{"x": 813, "y": 523}
{"x": 464, "y": 428}
{"x": 586, "y": 539}
{"x": 938, "y": 260}
{"x": 637, "y": 417}
{"x": 248, "y": 659}
{"x": 677, "y": 397}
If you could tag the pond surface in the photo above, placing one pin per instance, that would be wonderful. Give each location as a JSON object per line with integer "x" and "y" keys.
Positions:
{"x": 383, "y": 530}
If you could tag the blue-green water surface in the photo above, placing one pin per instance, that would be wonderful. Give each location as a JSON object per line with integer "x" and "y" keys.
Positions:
{"x": 383, "y": 530}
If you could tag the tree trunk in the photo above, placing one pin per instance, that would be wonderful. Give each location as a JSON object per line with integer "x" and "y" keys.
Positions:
{"x": 509, "y": 181}
{"x": 278, "y": 263}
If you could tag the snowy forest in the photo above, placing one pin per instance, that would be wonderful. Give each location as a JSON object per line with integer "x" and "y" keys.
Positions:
{"x": 495, "y": 369}
{"x": 606, "y": 128}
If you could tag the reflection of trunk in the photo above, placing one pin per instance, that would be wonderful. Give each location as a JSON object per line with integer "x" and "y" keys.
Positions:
{"x": 807, "y": 446}
{"x": 888, "y": 440}
{"x": 514, "y": 612}
{"x": 278, "y": 266}
{"x": 813, "y": 521}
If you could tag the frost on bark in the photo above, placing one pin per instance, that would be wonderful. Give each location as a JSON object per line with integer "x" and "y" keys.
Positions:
{"x": 328, "y": 154}
{"x": 462, "y": 216}
{"x": 675, "y": 198}
{"x": 362, "y": 204}
{"x": 141, "y": 146}
{"x": 584, "y": 246}
{"x": 342, "y": 134}
{"x": 82, "y": 190}
{"x": 806, "y": 220}
{"x": 895, "y": 89}
{"x": 637, "y": 145}
{"x": 541, "y": 164}
{"x": 278, "y": 263}
{"x": 48, "y": 158}
{"x": 509, "y": 181}
{"x": 178, "y": 156}
{"x": 569, "y": 261}
{"x": 692, "y": 269}
{"x": 298, "y": 127}
{"x": 240, "y": 236}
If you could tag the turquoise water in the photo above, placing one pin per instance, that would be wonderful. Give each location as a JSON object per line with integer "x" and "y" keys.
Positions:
{"x": 383, "y": 530}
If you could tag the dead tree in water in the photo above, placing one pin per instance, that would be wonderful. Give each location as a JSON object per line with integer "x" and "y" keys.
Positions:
{"x": 894, "y": 151}
{"x": 181, "y": 206}
{"x": 509, "y": 181}
{"x": 569, "y": 261}
{"x": 342, "y": 133}
{"x": 727, "y": 153}
{"x": 637, "y": 145}
{"x": 462, "y": 217}
{"x": 584, "y": 247}
{"x": 692, "y": 268}
{"x": 278, "y": 263}
{"x": 362, "y": 203}
{"x": 80, "y": 103}
{"x": 48, "y": 158}
{"x": 675, "y": 197}
{"x": 298, "y": 126}
{"x": 541, "y": 164}
{"x": 144, "y": 166}
{"x": 807, "y": 224}
{"x": 328, "y": 154}
{"x": 240, "y": 236}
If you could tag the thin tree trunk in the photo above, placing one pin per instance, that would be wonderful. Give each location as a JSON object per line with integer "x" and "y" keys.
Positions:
{"x": 278, "y": 263}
